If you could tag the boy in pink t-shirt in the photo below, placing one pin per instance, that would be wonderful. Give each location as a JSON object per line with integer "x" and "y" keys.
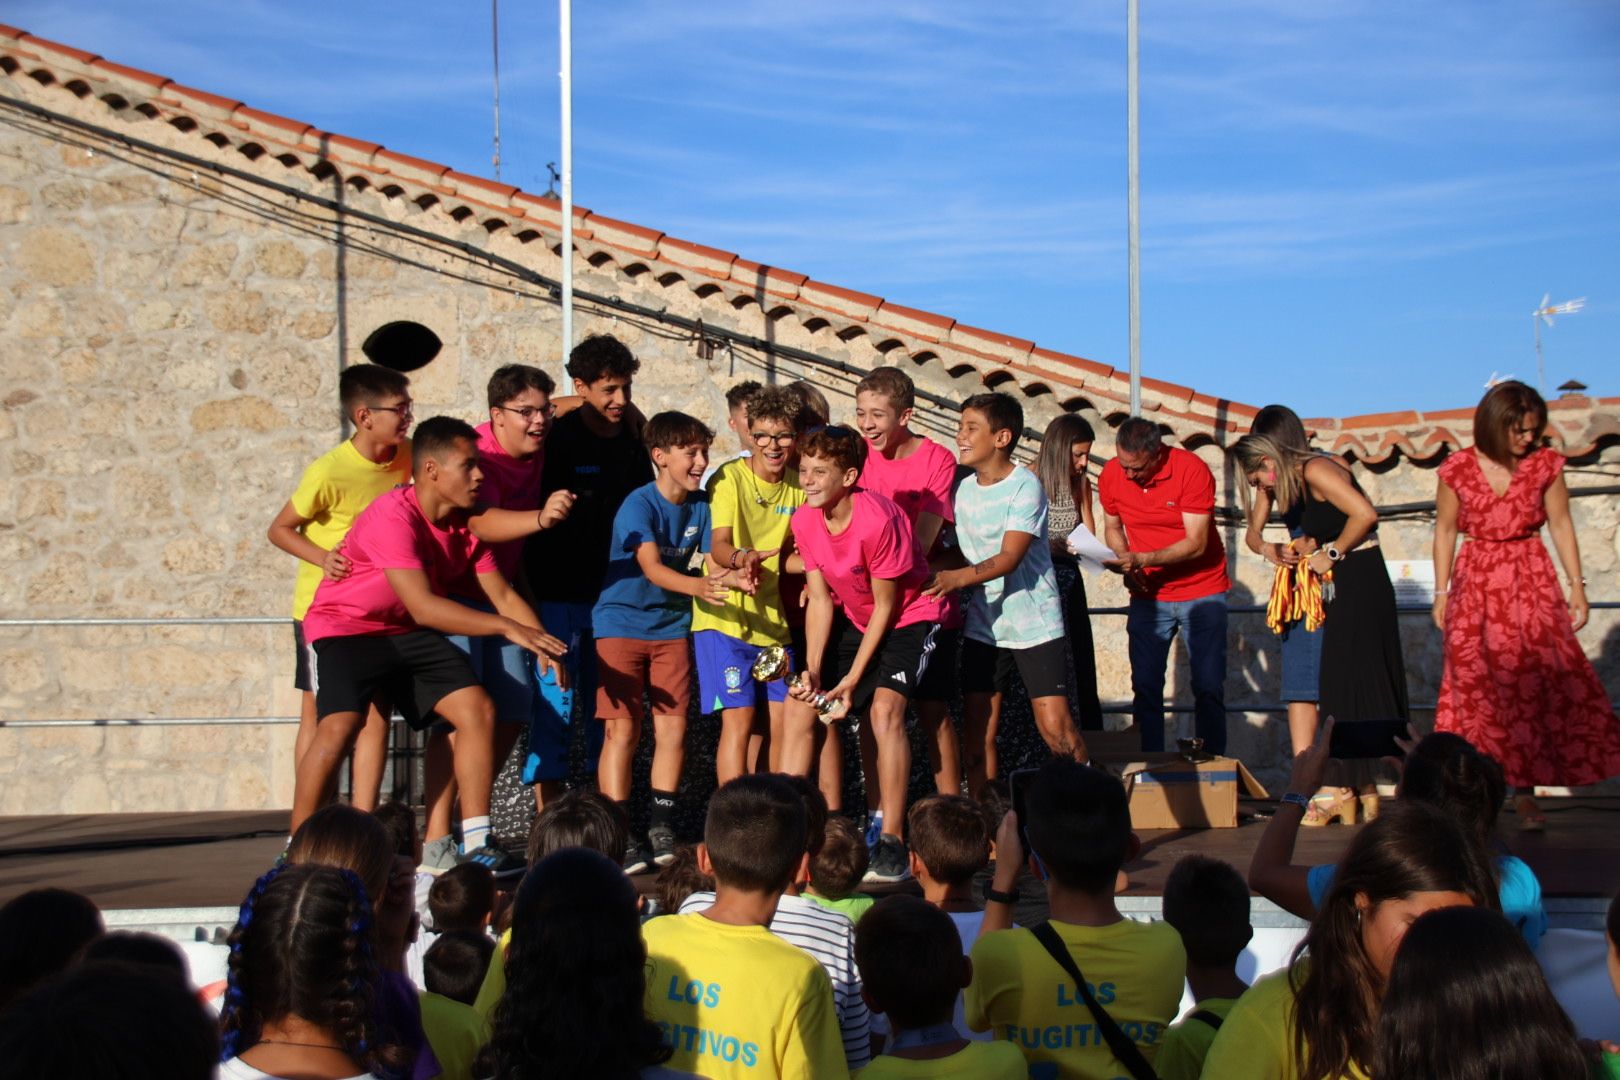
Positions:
{"x": 918, "y": 474}
{"x": 858, "y": 546}
{"x": 373, "y": 631}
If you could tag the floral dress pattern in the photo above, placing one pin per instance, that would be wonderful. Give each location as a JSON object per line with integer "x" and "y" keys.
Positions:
{"x": 1517, "y": 684}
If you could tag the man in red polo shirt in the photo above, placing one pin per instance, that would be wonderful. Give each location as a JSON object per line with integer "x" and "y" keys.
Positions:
{"x": 1158, "y": 503}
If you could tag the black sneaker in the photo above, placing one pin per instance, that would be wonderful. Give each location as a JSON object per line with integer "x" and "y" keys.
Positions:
{"x": 502, "y": 863}
{"x": 662, "y": 840}
{"x": 637, "y": 859}
{"x": 889, "y": 861}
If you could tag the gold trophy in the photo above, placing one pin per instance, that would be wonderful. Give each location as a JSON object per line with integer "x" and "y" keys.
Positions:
{"x": 772, "y": 664}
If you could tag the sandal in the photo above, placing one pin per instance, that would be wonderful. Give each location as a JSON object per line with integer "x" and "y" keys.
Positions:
{"x": 1327, "y": 806}
{"x": 1531, "y": 817}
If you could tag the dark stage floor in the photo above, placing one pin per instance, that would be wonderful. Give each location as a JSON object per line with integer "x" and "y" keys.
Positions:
{"x": 209, "y": 860}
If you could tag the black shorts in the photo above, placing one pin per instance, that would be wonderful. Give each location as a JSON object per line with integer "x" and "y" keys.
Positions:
{"x": 938, "y": 683}
{"x": 303, "y": 667}
{"x": 413, "y": 672}
{"x": 988, "y": 669}
{"x": 901, "y": 662}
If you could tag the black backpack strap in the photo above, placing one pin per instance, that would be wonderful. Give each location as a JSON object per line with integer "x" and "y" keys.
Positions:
{"x": 1124, "y": 1049}
{"x": 1207, "y": 1017}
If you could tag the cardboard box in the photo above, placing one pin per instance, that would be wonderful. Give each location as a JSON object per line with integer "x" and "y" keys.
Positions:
{"x": 1177, "y": 794}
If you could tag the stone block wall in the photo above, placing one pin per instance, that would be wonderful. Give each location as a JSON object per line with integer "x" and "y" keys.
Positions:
{"x": 172, "y": 340}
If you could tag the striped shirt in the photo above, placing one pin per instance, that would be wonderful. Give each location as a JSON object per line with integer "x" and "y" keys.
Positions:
{"x": 828, "y": 936}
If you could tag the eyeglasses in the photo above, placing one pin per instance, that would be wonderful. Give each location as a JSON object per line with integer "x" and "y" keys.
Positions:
{"x": 529, "y": 412}
{"x": 401, "y": 411}
{"x": 766, "y": 438}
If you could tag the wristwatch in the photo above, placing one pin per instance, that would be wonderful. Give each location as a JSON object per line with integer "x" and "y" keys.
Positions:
{"x": 1001, "y": 897}
{"x": 1333, "y": 553}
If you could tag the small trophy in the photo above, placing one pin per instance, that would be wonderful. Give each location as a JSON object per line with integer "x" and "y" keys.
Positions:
{"x": 772, "y": 664}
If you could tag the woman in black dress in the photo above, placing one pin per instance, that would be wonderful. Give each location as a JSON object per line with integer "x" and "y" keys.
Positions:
{"x": 1062, "y": 467}
{"x": 1363, "y": 673}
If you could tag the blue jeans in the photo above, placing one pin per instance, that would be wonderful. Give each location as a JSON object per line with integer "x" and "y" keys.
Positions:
{"x": 551, "y": 727}
{"x": 1151, "y": 626}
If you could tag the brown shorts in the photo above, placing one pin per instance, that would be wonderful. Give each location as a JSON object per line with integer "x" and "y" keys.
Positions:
{"x": 628, "y": 669}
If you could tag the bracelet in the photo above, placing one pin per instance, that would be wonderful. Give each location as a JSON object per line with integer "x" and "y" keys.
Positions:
{"x": 731, "y": 563}
{"x": 1442, "y": 592}
{"x": 1570, "y": 583}
{"x": 1294, "y": 797}
{"x": 996, "y": 896}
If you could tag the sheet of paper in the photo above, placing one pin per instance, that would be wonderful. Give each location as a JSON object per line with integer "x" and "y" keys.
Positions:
{"x": 1091, "y": 552}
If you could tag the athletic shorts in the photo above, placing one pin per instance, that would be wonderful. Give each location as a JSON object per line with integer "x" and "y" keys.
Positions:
{"x": 724, "y": 675}
{"x": 902, "y": 659}
{"x": 413, "y": 672}
{"x": 988, "y": 669}
{"x": 628, "y": 669}
{"x": 303, "y": 662}
{"x": 938, "y": 683}
{"x": 503, "y": 669}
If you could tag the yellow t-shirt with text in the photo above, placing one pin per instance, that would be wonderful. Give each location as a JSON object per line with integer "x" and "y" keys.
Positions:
{"x": 1022, "y": 996}
{"x": 1256, "y": 1041}
{"x": 975, "y": 1061}
{"x": 455, "y": 1032}
{"x": 738, "y": 1001}
{"x": 330, "y": 495}
{"x": 757, "y": 513}
{"x": 1186, "y": 1044}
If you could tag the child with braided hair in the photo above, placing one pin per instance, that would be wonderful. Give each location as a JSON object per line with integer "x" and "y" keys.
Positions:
{"x": 303, "y": 978}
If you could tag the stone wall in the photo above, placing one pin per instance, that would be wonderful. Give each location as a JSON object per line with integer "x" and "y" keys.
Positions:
{"x": 172, "y": 339}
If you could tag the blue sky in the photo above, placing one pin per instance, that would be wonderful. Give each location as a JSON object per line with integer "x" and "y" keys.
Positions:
{"x": 1347, "y": 206}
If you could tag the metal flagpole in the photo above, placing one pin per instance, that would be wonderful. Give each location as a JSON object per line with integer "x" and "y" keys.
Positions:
{"x": 495, "y": 47}
{"x": 566, "y": 74}
{"x": 1133, "y": 211}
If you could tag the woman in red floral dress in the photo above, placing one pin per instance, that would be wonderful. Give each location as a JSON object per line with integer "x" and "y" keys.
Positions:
{"x": 1517, "y": 684}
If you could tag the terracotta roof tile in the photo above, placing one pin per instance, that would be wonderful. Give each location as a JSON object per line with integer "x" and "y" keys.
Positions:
{"x": 772, "y": 279}
{"x": 55, "y": 52}
{"x": 10, "y": 32}
{"x": 1168, "y": 391}
{"x": 1002, "y": 347}
{"x": 415, "y": 169}
{"x": 1382, "y": 420}
{"x": 923, "y": 324}
{"x": 707, "y": 260}
{"x": 835, "y": 298}
{"x": 496, "y": 193}
{"x": 637, "y": 238}
{"x": 1095, "y": 372}
{"x": 134, "y": 75}
{"x": 201, "y": 102}
{"x": 291, "y": 129}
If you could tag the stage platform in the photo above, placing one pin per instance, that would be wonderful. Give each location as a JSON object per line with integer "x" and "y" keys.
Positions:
{"x": 152, "y": 862}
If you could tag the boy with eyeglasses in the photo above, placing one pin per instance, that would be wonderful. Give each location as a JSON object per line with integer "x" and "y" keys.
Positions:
{"x": 511, "y": 454}
{"x": 593, "y": 454}
{"x": 751, "y": 501}
{"x": 330, "y": 495}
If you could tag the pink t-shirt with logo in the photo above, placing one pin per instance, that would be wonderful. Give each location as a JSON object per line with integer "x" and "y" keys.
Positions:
{"x": 392, "y": 534}
{"x": 878, "y": 543}
{"x": 919, "y": 483}
{"x": 509, "y": 484}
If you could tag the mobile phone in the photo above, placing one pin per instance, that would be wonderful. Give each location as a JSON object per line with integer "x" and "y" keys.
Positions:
{"x": 1018, "y": 782}
{"x": 1366, "y": 739}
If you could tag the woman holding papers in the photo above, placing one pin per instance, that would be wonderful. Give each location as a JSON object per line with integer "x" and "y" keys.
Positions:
{"x": 1065, "y": 455}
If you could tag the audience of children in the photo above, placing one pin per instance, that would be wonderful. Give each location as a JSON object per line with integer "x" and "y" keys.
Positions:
{"x": 836, "y": 870}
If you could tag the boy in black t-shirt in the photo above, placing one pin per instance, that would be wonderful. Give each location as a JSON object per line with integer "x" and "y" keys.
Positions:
{"x": 592, "y": 453}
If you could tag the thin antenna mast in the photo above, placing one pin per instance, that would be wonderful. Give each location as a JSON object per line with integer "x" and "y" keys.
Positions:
{"x": 495, "y": 48}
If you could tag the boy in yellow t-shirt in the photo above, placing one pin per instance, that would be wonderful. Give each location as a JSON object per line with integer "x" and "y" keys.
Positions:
{"x": 911, "y": 968}
{"x": 751, "y": 501}
{"x": 333, "y": 490}
{"x": 1207, "y": 901}
{"x": 733, "y": 999}
{"x": 1079, "y": 833}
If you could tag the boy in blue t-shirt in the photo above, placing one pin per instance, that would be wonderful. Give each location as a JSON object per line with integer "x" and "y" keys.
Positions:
{"x": 641, "y": 620}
